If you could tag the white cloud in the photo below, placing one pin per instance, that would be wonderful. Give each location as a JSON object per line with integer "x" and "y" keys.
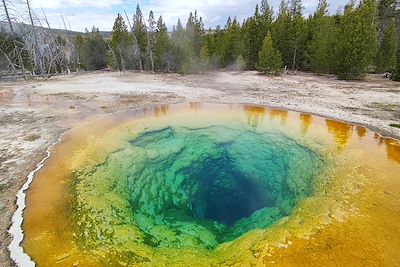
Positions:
{"x": 80, "y": 21}
{"x": 217, "y": 18}
{"x": 56, "y": 4}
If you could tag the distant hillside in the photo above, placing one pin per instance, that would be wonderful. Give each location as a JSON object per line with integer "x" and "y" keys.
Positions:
{"x": 18, "y": 27}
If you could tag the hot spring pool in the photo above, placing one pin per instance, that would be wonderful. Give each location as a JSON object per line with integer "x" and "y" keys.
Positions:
{"x": 215, "y": 185}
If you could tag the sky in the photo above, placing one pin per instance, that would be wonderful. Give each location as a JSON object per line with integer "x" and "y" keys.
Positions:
{"x": 81, "y": 14}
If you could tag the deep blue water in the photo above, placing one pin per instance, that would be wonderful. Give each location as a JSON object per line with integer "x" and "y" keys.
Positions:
{"x": 225, "y": 194}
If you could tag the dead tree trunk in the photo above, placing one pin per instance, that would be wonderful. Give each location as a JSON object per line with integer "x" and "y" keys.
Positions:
{"x": 8, "y": 59}
{"x": 21, "y": 62}
{"x": 152, "y": 61}
{"x": 45, "y": 18}
{"x": 122, "y": 59}
{"x": 294, "y": 56}
{"x": 113, "y": 55}
{"x": 150, "y": 54}
{"x": 37, "y": 54}
{"x": 67, "y": 58}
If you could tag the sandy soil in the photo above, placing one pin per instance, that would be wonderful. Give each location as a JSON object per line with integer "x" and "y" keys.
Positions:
{"x": 34, "y": 113}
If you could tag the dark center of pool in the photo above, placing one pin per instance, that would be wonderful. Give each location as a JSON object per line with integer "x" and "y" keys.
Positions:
{"x": 225, "y": 194}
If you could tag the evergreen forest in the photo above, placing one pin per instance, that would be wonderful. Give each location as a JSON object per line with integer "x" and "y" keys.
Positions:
{"x": 361, "y": 38}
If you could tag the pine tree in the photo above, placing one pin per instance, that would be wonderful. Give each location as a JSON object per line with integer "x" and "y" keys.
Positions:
{"x": 267, "y": 11}
{"x": 140, "y": 32}
{"x": 251, "y": 36}
{"x": 320, "y": 45}
{"x": 151, "y": 39}
{"x": 161, "y": 46}
{"x": 386, "y": 57}
{"x": 92, "y": 50}
{"x": 118, "y": 31}
{"x": 386, "y": 13}
{"x": 179, "y": 26}
{"x": 296, "y": 31}
{"x": 231, "y": 43}
{"x": 281, "y": 33}
{"x": 204, "y": 58}
{"x": 356, "y": 45}
{"x": 258, "y": 27}
{"x": 228, "y": 23}
{"x": 194, "y": 33}
{"x": 240, "y": 63}
{"x": 266, "y": 18}
{"x": 213, "y": 41}
{"x": 290, "y": 33}
{"x": 187, "y": 44}
{"x": 119, "y": 41}
{"x": 177, "y": 44}
{"x": 269, "y": 59}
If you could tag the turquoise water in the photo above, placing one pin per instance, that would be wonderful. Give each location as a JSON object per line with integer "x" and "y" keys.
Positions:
{"x": 198, "y": 187}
